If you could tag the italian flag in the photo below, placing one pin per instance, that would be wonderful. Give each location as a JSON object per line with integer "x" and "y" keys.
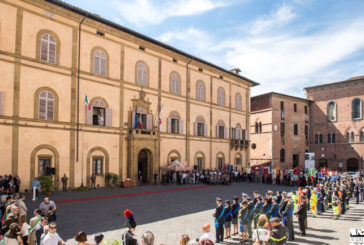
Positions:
{"x": 88, "y": 104}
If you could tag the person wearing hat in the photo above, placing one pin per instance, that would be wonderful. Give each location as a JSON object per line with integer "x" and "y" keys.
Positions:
{"x": 266, "y": 207}
{"x": 279, "y": 197}
{"x": 257, "y": 210}
{"x": 250, "y": 216}
{"x": 219, "y": 220}
{"x": 128, "y": 236}
{"x": 278, "y": 234}
{"x": 235, "y": 207}
{"x": 274, "y": 211}
{"x": 244, "y": 212}
{"x": 227, "y": 219}
{"x": 287, "y": 214}
{"x": 302, "y": 215}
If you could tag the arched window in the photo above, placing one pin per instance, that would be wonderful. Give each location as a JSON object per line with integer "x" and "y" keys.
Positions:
{"x": 48, "y": 48}
{"x": 333, "y": 138}
{"x": 238, "y": 101}
{"x": 100, "y": 62}
{"x": 46, "y": 106}
{"x": 331, "y": 111}
{"x": 200, "y": 128}
{"x": 256, "y": 127}
{"x": 316, "y": 139}
{"x": 348, "y": 137}
{"x": 356, "y": 109}
{"x": 175, "y": 83}
{"x": 260, "y": 127}
{"x": 329, "y": 138}
{"x": 352, "y": 138}
{"x": 221, "y": 96}
{"x": 142, "y": 74}
{"x": 221, "y": 130}
{"x": 321, "y": 138}
{"x": 362, "y": 136}
{"x": 282, "y": 155}
{"x": 174, "y": 124}
{"x": 200, "y": 90}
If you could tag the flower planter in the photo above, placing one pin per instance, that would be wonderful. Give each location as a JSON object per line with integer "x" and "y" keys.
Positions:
{"x": 127, "y": 184}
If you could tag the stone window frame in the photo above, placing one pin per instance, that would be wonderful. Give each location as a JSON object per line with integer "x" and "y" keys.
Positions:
{"x": 96, "y": 99}
{"x": 238, "y": 155}
{"x": 334, "y": 112}
{"x": 98, "y": 157}
{"x": 198, "y": 154}
{"x": 172, "y": 153}
{"x": 44, "y": 156}
{"x": 220, "y": 154}
{"x": 221, "y": 96}
{"x": 38, "y": 45}
{"x": 219, "y": 124}
{"x": 136, "y": 73}
{"x": 177, "y": 116}
{"x": 92, "y": 61}
{"x": 171, "y": 87}
{"x": 55, "y": 104}
{"x": 360, "y": 109}
{"x": 201, "y": 119}
{"x": 198, "y": 97}
{"x": 238, "y": 106}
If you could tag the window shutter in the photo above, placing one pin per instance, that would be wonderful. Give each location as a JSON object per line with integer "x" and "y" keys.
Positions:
{"x": 43, "y": 49}
{"x": 1, "y": 103}
{"x": 169, "y": 124}
{"x": 103, "y": 67}
{"x": 181, "y": 126}
{"x": 50, "y": 109}
{"x": 205, "y": 129}
{"x": 231, "y": 133}
{"x": 225, "y": 133}
{"x": 149, "y": 122}
{"x": 132, "y": 120}
{"x": 144, "y": 76}
{"x": 89, "y": 115}
{"x": 108, "y": 117}
{"x": 217, "y": 131}
{"x": 96, "y": 63}
{"x": 42, "y": 108}
{"x": 196, "y": 128}
{"x": 237, "y": 132}
{"x": 52, "y": 53}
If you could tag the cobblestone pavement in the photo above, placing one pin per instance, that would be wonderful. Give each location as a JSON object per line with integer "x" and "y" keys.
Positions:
{"x": 169, "y": 215}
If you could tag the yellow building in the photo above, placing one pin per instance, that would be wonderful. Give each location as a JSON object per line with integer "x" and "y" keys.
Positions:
{"x": 52, "y": 55}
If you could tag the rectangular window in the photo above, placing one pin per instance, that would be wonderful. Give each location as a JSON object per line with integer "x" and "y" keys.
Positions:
{"x": 329, "y": 139}
{"x": 282, "y": 115}
{"x": 306, "y": 109}
{"x": 295, "y": 129}
{"x": 200, "y": 129}
{"x": 295, "y": 107}
{"x": 199, "y": 162}
{"x": 306, "y": 130}
{"x": 233, "y": 134}
{"x": 282, "y": 105}
{"x": 333, "y": 138}
{"x": 98, "y": 117}
{"x": 282, "y": 128}
{"x": 44, "y": 167}
{"x": 220, "y": 162}
{"x": 237, "y": 161}
{"x": 175, "y": 126}
{"x": 97, "y": 166}
{"x": 295, "y": 160}
{"x": 221, "y": 132}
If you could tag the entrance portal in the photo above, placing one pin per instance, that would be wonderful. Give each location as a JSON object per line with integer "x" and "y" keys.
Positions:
{"x": 323, "y": 163}
{"x": 143, "y": 163}
{"x": 352, "y": 164}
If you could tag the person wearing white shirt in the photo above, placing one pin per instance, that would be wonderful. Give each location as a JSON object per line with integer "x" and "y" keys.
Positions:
{"x": 207, "y": 235}
{"x": 52, "y": 237}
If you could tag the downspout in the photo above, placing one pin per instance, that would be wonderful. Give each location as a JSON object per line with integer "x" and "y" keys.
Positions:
{"x": 78, "y": 86}
{"x": 187, "y": 111}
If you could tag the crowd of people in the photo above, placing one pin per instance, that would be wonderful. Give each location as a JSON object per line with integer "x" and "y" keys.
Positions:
{"x": 261, "y": 219}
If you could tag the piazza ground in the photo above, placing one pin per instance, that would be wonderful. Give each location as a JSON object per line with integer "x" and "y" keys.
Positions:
{"x": 173, "y": 210}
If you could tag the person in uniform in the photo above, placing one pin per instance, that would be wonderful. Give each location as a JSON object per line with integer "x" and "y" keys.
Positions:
{"x": 244, "y": 212}
{"x": 287, "y": 214}
{"x": 314, "y": 203}
{"x": 278, "y": 234}
{"x": 250, "y": 216}
{"x": 227, "y": 219}
{"x": 219, "y": 220}
{"x": 129, "y": 236}
{"x": 343, "y": 199}
{"x": 257, "y": 210}
{"x": 302, "y": 215}
{"x": 266, "y": 207}
{"x": 235, "y": 207}
{"x": 336, "y": 204}
{"x": 274, "y": 211}
{"x": 93, "y": 181}
{"x": 64, "y": 182}
{"x": 295, "y": 200}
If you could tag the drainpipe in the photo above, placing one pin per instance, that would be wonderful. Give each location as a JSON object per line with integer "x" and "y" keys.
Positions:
{"x": 187, "y": 109}
{"x": 78, "y": 86}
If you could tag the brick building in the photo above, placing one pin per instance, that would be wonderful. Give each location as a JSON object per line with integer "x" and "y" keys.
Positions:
{"x": 279, "y": 130}
{"x": 337, "y": 126}
{"x": 52, "y": 54}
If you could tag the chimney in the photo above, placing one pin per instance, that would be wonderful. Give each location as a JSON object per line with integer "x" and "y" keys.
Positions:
{"x": 236, "y": 71}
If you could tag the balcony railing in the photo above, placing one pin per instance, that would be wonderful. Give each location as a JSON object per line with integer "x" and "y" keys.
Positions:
{"x": 239, "y": 143}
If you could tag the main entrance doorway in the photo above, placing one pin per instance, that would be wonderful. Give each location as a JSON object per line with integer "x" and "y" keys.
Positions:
{"x": 352, "y": 164}
{"x": 143, "y": 164}
{"x": 323, "y": 163}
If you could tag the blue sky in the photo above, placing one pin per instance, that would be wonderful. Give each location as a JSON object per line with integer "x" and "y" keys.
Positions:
{"x": 285, "y": 45}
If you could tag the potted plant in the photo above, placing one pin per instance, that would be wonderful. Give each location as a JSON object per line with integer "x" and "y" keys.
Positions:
{"x": 46, "y": 184}
{"x": 114, "y": 180}
{"x": 108, "y": 177}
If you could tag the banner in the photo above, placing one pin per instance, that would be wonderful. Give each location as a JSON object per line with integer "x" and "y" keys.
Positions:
{"x": 310, "y": 160}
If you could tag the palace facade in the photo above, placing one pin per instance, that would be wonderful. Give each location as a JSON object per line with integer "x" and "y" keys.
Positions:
{"x": 147, "y": 103}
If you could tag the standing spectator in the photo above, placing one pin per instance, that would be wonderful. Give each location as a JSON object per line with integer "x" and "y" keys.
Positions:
{"x": 99, "y": 237}
{"x": 148, "y": 238}
{"x": 24, "y": 228}
{"x": 52, "y": 237}
{"x": 207, "y": 235}
{"x": 33, "y": 225}
{"x": 48, "y": 209}
{"x": 93, "y": 181}
{"x": 155, "y": 177}
{"x": 40, "y": 229}
{"x": 12, "y": 237}
{"x": 234, "y": 214}
{"x": 219, "y": 220}
{"x": 36, "y": 184}
{"x": 128, "y": 236}
{"x": 81, "y": 238}
{"x": 22, "y": 207}
{"x": 261, "y": 234}
{"x": 16, "y": 181}
{"x": 64, "y": 182}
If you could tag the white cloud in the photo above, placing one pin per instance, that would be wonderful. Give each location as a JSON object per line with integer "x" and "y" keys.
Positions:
{"x": 142, "y": 12}
{"x": 276, "y": 19}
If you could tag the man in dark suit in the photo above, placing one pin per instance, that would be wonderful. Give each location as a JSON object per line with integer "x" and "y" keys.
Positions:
{"x": 219, "y": 220}
{"x": 302, "y": 215}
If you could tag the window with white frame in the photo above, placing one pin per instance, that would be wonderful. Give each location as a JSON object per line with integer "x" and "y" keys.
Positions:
{"x": 100, "y": 62}
{"x": 48, "y": 45}
{"x": 357, "y": 109}
{"x": 97, "y": 165}
{"x": 331, "y": 111}
{"x": 142, "y": 74}
{"x": 175, "y": 83}
{"x": 46, "y": 106}
{"x": 98, "y": 116}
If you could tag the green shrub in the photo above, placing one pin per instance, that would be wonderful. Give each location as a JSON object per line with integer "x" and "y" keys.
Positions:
{"x": 114, "y": 178}
{"x": 46, "y": 183}
{"x": 112, "y": 242}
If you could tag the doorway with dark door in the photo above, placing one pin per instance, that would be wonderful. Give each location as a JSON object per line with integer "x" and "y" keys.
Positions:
{"x": 323, "y": 163}
{"x": 143, "y": 164}
{"x": 295, "y": 159}
{"x": 352, "y": 164}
